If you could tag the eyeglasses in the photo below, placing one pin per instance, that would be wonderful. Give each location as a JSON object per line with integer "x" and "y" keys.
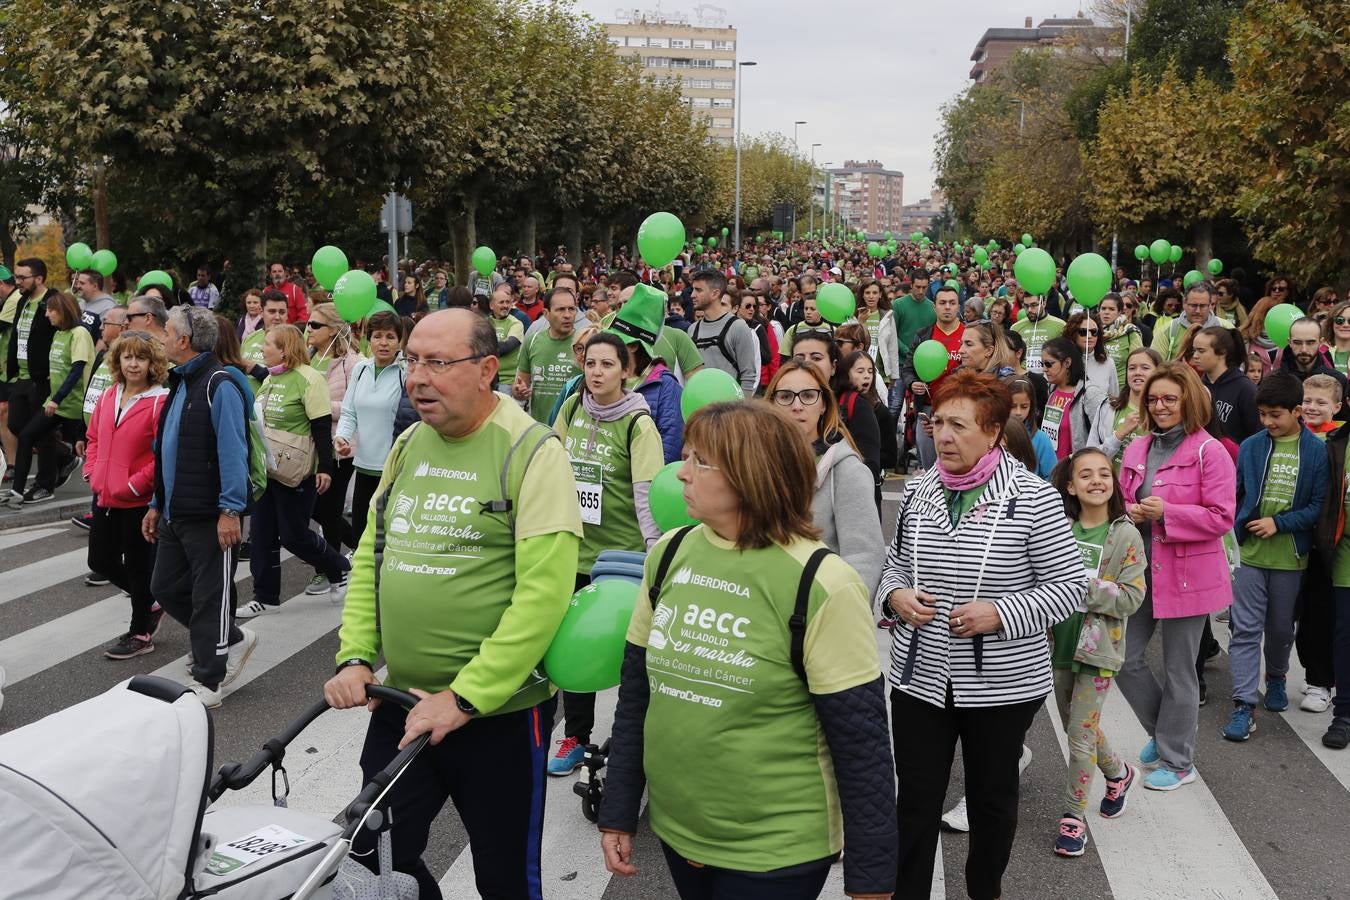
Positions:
{"x": 1168, "y": 400}
{"x": 131, "y": 316}
{"x": 435, "y": 366}
{"x": 1341, "y": 320}
{"x": 24, "y": 277}
{"x": 1279, "y": 289}
{"x": 808, "y": 397}
{"x": 700, "y": 464}
{"x": 1085, "y": 332}
{"x": 579, "y": 347}
{"x": 315, "y": 326}
{"x": 1049, "y": 363}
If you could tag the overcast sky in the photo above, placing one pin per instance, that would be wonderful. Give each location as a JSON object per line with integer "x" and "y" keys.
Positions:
{"x": 891, "y": 66}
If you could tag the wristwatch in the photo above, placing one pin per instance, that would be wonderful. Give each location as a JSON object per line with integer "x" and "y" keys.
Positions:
{"x": 232, "y": 513}
{"x": 347, "y": 664}
{"x": 465, "y": 706}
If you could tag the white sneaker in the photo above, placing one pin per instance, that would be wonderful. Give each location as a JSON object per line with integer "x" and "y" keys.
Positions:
{"x": 252, "y": 610}
{"x": 338, "y": 589}
{"x": 1024, "y": 762}
{"x": 239, "y": 654}
{"x": 2, "y": 687}
{"x": 1315, "y": 699}
{"x": 956, "y": 818}
{"x": 210, "y": 699}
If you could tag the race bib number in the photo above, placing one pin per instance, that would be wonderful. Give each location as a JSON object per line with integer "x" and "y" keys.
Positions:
{"x": 260, "y": 844}
{"x": 590, "y": 483}
{"x": 1050, "y": 422}
{"x": 23, "y": 347}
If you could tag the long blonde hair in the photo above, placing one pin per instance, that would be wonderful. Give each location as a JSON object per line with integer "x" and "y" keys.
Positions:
{"x": 343, "y": 341}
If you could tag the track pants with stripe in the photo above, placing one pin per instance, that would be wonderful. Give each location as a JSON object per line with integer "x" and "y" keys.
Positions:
{"x": 192, "y": 582}
{"x": 492, "y": 769}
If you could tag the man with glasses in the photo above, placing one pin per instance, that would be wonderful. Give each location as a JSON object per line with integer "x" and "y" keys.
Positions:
{"x": 147, "y": 313}
{"x": 29, "y": 342}
{"x": 477, "y": 568}
{"x": 546, "y": 358}
{"x": 1037, "y": 327}
{"x": 1197, "y": 311}
{"x": 748, "y": 312}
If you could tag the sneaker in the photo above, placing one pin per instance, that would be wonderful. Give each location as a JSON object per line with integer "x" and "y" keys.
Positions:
{"x": 156, "y": 619}
{"x": 1204, "y": 692}
{"x": 1241, "y": 724}
{"x": 239, "y": 654}
{"x": 1277, "y": 698}
{"x": 68, "y": 470}
{"x": 317, "y": 585}
{"x": 956, "y": 818}
{"x": 37, "y": 495}
{"x": 2, "y": 687}
{"x": 1113, "y": 801}
{"x": 568, "y": 758}
{"x": 84, "y": 520}
{"x": 1149, "y": 755}
{"x": 1315, "y": 699}
{"x": 338, "y": 589}
{"x": 1338, "y": 734}
{"x": 1072, "y": 838}
{"x": 1024, "y": 761}
{"x": 1221, "y": 615}
{"x": 96, "y": 579}
{"x": 9, "y": 475}
{"x": 1169, "y": 779}
{"x": 210, "y": 697}
{"x": 130, "y": 645}
{"x": 252, "y": 610}
{"x": 1212, "y": 650}
{"x": 13, "y": 500}
{"x": 885, "y": 624}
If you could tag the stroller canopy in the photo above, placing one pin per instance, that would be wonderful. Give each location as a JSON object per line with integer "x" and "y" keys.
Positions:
{"x": 102, "y": 799}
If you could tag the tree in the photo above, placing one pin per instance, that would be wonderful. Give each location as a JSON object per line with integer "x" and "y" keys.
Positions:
{"x": 1290, "y": 131}
{"x": 1188, "y": 35}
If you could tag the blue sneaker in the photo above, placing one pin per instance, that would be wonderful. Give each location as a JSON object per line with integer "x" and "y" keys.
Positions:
{"x": 1113, "y": 801}
{"x": 1277, "y": 698}
{"x": 1241, "y": 724}
{"x": 1072, "y": 838}
{"x": 1149, "y": 755}
{"x": 568, "y": 759}
{"x": 1169, "y": 779}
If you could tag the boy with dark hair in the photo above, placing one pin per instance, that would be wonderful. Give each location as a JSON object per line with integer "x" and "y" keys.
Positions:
{"x": 1282, "y": 483}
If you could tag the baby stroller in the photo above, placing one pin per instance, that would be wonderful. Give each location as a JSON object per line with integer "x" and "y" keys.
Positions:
{"x": 109, "y": 798}
{"x": 590, "y": 784}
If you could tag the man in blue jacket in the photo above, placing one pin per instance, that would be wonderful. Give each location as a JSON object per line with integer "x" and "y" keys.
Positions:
{"x": 201, "y": 490}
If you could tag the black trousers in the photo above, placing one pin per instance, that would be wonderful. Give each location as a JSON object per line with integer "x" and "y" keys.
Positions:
{"x": 117, "y": 550}
{"x": 492, "y": 769}
{"x": 38, "y": 434}
{"x": 579, "y": 709}
{"x": 1316, "y": 626}
{"x": 802, "y": 882}
{"x": 362, "y": 493}
{"x": 192, "y": 583}
{"x": 925, "y": 739}
{"x": 328, "y": 509}
{"x": 281, "y": 519}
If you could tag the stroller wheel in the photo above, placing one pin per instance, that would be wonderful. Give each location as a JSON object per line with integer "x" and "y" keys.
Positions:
{"x": 590, "y": 808}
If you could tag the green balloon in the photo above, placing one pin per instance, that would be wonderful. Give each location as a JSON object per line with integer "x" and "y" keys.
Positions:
{"x": 699, "y": 240}
{"x": 154, "y": 276}
{"x": 930, "y": 360}
{"x": 1194, "y": 276}
{"x": 483, "y": 260}
{"x": 1278, "y": 320}
{"x": 981, "y": 255}
{"x": 1021, "y": 314}
{"x": 726, "y": 231}
{"x": 1035, "y": 271}
{"x": 1175, "y": 255}
{"x": 952, "y": 283}
{"x": 587, "y": 649}
{"x": 916, "y": 235}
{"x": 835, "y": 302}
{"x": 712, "y": 243}
{"x": 1018, "y": 248}
{"x": 354, "y": 295}
{"x": 1089, "y": 278}
{"x": 79, "y": 256}
{"x": 329, "y": 264}
{"x": 104, "y": 262}
{"x": 1215, "y": 267}
{"x": 708, "y": 386}
{"x": 665, "y": 498}
{"x": 993, "y": 246}
{"x": 874, "y": 249}
{"x": 381, "y": 306}
{"x": 1159, "y": 251}
{"x": 660, "y": 238}
{"x": 1141, "y": 252}
{"x": 888, "y": 235}
{"x": 1027, "y": 240}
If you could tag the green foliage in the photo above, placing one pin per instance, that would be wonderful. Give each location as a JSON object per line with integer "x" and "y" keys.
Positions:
{"x": 1190, "y": 35}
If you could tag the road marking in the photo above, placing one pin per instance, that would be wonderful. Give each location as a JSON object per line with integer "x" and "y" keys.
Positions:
{"x": 22, "y": 537}
{"x": 41, "y": 575}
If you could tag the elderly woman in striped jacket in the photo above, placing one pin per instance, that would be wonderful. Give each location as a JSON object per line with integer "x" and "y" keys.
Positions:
{"x": 982, "y": 564}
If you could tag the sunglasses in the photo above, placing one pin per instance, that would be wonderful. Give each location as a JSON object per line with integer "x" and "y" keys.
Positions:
{"x": 1085, "y": 332}
{"x": 1341, "y": 320}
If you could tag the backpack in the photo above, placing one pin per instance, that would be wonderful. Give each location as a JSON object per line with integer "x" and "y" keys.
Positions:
{"x": 796, "y": 622}
{"x": 258, "y": 459}
{"x": 719, "y": 340}
{"x": 565, "y": 414}
{"x": 541, "y": 433}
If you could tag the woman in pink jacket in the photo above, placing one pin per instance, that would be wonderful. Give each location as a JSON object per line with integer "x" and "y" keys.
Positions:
{"x": 1179, "y": 486}
{"x": 119, "y": 465}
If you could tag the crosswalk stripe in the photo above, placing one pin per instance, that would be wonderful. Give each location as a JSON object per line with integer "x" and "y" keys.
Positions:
{"x": 18, "y": 538}
{"x": 41, "y": 575}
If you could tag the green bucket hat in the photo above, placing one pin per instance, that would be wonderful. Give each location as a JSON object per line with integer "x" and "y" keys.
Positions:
{"x": 6, "y": 274}
{"x": 641, "y": 318}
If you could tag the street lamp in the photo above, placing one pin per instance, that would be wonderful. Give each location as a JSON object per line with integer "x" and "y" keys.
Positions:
{"x": 738, "y": 155}
{"x": 813, "y": 182}
{"x": 794, "y": 132}
{"x": 812, "y": 214}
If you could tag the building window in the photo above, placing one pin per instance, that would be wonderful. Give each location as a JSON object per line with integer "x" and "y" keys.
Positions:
{"x": 679, "y": 43}
{"x": 723, "y": 85}
{"x": 722, "y": 103}
{"x": 720, "y": 63}
{"x": 700, "y": 84}
{"x": 657, "y": 62}
{"x": 658, "y": 42}
{"x": 616, "y": 42}
{"x": 724, "y": 45}
{"x": 702, "y": 103}
{"x": 637, "y": 42}
{"x": 700, "y": 44}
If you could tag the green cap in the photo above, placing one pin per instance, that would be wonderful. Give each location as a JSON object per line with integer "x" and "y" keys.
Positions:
{"x": 6, "y": 274}
{"x": 641, "y": 318}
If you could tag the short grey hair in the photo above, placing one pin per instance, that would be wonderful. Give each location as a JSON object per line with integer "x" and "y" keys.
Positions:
{"x": 1201, "y": 287}
{"x": 199, "y": 325}
{"x": 154, "y": 306}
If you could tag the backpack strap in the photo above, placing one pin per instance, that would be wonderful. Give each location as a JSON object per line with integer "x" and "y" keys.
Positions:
{"x": 632, "y": 426}
{"x": 719, "y": 341}
{"x": 797, "y": 622}
{"x": 505, "y": 505}
{"x": 663, "y": 565}
{"x": 381, "y": 502}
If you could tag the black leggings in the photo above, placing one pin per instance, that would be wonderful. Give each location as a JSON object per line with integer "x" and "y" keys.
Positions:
{"x": 117, "y": 550}
{"x": 41, "y": 434}
{"x": 328, "y": 509}
{"x": 363, "y": 491}
{"x": 579, "y": 709}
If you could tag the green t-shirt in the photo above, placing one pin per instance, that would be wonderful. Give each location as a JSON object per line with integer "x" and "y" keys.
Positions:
{"x": 1118, "y": 420}
{"x": 1340, "y": 358}
{"x": 678, "y": 351}
{"x": 789, "y": 336}
{"x": 911, "y": 317}
{"x": 69, "y": 347}
{"x": 8, "y": 311}
{"x": 606, "y": 467}
{"x": 1035, "y": 334}
{"x": 1277, "y": 496}
{"x": 290, "y": 400}
{"x": 550, "y": 363}
{"x": 873, "y": 325}
{"x": 24, "y": 326}
{"x": 719, "y": 666}
{"x": 1340, "y": 561}
{"x": 99, "y": 382}
{"x": 252, "y": 347}
{"x": 1091, "y": 544}
{"x": 961, "y": 502}
{"x": 449, "y": 563}
{"x": 506, "y": 328}
{"x": 1119, "y": 348}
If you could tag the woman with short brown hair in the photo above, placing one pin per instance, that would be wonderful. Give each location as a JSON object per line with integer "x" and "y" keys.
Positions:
{"x": 797, "y": 663}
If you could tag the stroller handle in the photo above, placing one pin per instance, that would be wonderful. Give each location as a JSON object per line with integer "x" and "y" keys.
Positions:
{"x": 236, "y": 776}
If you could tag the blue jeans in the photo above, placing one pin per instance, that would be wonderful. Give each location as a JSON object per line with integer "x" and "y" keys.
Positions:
{"x": 281, "y": 519}
{"x": 1263, "y": 604}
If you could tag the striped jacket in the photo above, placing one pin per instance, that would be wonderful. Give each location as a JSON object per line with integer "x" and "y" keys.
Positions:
{"x": 1015, "y": 549}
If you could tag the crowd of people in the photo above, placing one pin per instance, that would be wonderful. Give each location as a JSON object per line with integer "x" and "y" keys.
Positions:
{"x": 1079, "y": 481}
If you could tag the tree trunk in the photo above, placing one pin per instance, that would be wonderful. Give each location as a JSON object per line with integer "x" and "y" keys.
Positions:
{"x": 1204, "y": 243}
{"x": 607, "y": 239}
{"x": 8, "y": 247}
{"x": 574, "y": 241}
{"x": 453, "y": 240}
{"x": 529, "y": 226}
{"x": 102, "y": 233}
{"x": 466, "y": 239}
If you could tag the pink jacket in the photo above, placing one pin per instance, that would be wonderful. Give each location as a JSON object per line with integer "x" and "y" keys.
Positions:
{"x": 119, "y": 461}
{"x": 1198, "y": 487}
{"x": 339, "y": 373}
